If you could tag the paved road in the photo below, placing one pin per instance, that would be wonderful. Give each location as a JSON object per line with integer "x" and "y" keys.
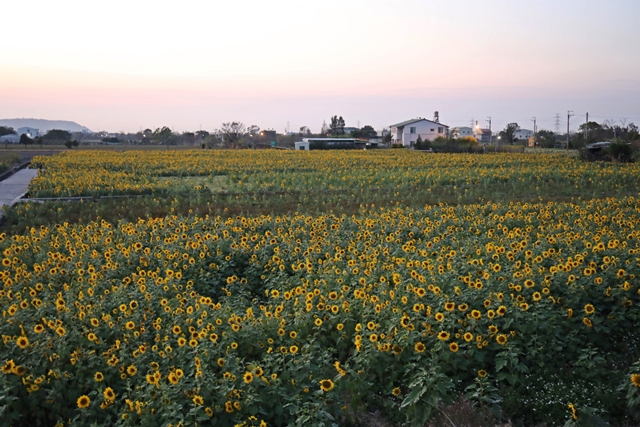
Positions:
{"x": 15, "y": 186}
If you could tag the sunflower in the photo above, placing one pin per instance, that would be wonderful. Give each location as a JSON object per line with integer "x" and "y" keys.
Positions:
{"x": 443, "y": 335}
{"x": 22, "y": 342}
{"x": 8, "y": 367}
{"x": 326, "y": 385}
{"x": 454, "y": 347}
{"x": 198, "y": 400}
{"x": 132, "y": 370}
{"x": 587, "y": 321}
{"x": 419, "y": 347}
{"x": 221, "y": 362}
{"x": 439, "y": 317}
{"x": 468, "y": 336}
{"x": 247, "y": 377}
{"x": 482, "y": 373}
{"x": 502, "y": 310}
{"x": 635, "y": 380}
{"x": 501, "y": 339}
{"x": 99, "y": 377}
{"x": 589, "y": 309}
{"x": 396, "y": 391}
{"x": 38, "y": 329}
{"x": 108, "y": 394}
{"x": 449, "y": 306}
{"x": 173, "y": 379}
{"x": 83, "y": 401}
{"x": 293, "y": 349}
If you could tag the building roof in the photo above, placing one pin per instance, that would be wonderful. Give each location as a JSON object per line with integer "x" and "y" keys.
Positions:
{"x": 419, "y": 119}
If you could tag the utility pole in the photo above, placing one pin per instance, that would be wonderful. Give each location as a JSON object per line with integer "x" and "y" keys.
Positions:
{"x": 586, "y": 129}
{"x": 569, "y": 115}
{"x": 490, "y": 133}
{"x": 535, "y": 130}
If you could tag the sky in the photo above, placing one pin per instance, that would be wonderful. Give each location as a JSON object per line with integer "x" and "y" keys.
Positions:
{"x": 130, "y": 65}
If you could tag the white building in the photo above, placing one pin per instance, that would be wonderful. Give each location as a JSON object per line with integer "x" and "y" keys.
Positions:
{"x": 407, "y": 132}
{"x": 461, "y": 132}
{"x": 30, "y": 132}
{"x": 523, "y": 134}
{"x": 302, "y": 145}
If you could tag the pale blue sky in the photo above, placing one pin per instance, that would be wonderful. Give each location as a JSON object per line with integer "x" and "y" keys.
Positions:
{"x": 130, "y": 64}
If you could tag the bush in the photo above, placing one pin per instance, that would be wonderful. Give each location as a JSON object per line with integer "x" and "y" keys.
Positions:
{"x": 620, "y": 152}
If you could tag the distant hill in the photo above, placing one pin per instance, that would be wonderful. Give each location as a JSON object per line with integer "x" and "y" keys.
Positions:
{"x": 43, "y": 125}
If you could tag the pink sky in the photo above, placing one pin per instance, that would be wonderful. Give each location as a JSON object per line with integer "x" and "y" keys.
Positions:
{"x": 143, "y": 65}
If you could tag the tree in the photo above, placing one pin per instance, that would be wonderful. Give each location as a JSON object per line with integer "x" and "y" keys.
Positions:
{"x": 545, "y": 138}
{"x": 188, "y": 138}
{"x": 304, "y": 130}
{"x": 509, "y": 132}
{"x": 232, "y": 133}
{"x": 71, "y": 143}
{"x": 6, "y": 131}
{"x": 419, "y": 143}
{"x": 366, "y": 132}
{"x": 57, "y": 135}
{"x": 24, "y": 139}
{"x": 253, "y": 130}
{"x": 337, "y": 126}
{"x": 324, "y": 130}
{"x": 162, "y": 135}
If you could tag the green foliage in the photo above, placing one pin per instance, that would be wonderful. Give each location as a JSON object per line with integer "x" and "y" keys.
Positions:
{"x": 57, "y": 135}
{"x": 366, "y": 132}
{"x": 24, "y": 139}
{"x": 508, "y": 134}
{"x": 7, "y": 131}
{"x": 620, "y": 152}
{"x": 163, "y": 136}
{"x": 336, "y": 127}
{"x": 545, "y": 138}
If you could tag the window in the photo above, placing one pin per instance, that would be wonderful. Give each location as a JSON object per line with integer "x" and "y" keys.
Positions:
{"x": 432, "y": 130}
{"x": 412, "y": 130}
{"x": 440, "y": 130}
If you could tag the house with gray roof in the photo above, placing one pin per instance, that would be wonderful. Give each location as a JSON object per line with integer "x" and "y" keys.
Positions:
{"x": 407, "y": 132}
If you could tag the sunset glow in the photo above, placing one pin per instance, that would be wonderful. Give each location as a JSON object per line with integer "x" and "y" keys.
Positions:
{"x": 147, "y": 64}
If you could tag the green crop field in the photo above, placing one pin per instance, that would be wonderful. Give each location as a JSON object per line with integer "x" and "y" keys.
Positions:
{"x": 203, "y": 287}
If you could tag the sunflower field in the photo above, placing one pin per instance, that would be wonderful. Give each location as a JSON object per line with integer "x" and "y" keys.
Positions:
{"x": 527, "y": 309}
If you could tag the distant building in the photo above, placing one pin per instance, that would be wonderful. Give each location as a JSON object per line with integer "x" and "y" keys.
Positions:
{"x": 407, "y": 132}
{"x": 334, "y": 144}
{"x": 461, "y": 132}
{"x": 484, "y": 136}
{"x": 9, "y": 139}
{"x": 523, "y": 134}
{"x": 30, "y": 132}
